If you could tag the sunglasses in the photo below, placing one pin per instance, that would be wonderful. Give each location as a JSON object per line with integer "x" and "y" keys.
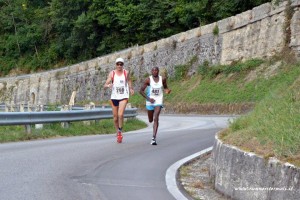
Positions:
{"x": 121, "y": 64}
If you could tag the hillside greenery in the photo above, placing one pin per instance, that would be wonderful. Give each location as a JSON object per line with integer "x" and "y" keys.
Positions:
{"x": 243, "y": 82}
{"x": 272, "y": 128}
{"x": 39, "y": 35}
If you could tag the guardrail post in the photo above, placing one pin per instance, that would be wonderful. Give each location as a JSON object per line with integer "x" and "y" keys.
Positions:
{"x": 128, "y": 106}
{"x": 97, "y": 121}
{"x": 39, "y": 108}
{"x": 28, "y": 128}
{"x": 87, "y": 107}
{"x": 65, "y": 108}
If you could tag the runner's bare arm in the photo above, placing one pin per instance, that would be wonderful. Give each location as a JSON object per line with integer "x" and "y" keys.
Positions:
{"x": 130, "y": 83}
{"x": 167, "y": 90}
{"x": 142, "y": 90}
{"x": 108, "y": 82}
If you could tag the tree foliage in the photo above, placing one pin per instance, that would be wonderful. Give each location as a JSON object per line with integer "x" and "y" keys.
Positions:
{"x": 40, "y": 34}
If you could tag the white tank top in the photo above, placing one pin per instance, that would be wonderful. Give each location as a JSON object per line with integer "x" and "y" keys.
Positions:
{"x": 155, "y": 91}
{"x": 120, "y": 88}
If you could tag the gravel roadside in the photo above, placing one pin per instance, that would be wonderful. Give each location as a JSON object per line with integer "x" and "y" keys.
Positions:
{"x": 194, "y": 179}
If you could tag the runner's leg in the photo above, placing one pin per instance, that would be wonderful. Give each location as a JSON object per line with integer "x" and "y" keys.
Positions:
{"x": 122, "y": 106}
{"x": 150, "y": 115}
{"x": 115, "y": 114}
{"x": 156, "y": 119}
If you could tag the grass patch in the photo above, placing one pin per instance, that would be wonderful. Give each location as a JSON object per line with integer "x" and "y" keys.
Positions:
{"x": 106, "y": 126}
{"x": 181, "y": 71}
{"x": 229, "y": 85}
{"x": 272, "y": 128}
{"x": 184, "y": 171}
{"x": 212, "y": 71}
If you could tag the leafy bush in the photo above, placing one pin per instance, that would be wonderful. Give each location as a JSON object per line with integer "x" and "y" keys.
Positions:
{"x": 216, "y": 30}
{"x": 204, "y": 68}
{"x": 245, "y": 66}
{"x": 180, "y": 72}
{"x": 212, "y": 71}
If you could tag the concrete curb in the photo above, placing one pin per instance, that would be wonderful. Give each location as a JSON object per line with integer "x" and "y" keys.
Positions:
{"x": 172, "y": 174}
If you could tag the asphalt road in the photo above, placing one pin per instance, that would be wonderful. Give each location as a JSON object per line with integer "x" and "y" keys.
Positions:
{"x": 98, "y": 168}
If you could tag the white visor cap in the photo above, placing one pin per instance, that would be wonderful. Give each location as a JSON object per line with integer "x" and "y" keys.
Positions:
{"x": 120, "y": 60}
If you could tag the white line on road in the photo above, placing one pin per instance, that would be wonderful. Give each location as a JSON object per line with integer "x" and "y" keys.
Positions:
{"x": 171, "y": 174}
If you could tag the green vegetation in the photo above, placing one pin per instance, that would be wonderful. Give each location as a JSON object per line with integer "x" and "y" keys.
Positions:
{"x": 17, "y": 133}
{"x": 181, "y": 71}
{"x": 272, "y": 128}
{"x": 219, "y": 84}
{"x": 212, "y": 72}
{"x": 40, "y": 35}
{"x": 216, "y": 30}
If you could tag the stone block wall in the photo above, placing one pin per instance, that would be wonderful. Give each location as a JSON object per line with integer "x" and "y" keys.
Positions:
{"x": 257, "y": 33}
{"x": 295, "y": 28}
{"x": 246, "y": 176}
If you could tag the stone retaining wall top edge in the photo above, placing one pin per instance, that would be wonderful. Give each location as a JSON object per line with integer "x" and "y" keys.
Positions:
{"x": 218, "y": 142}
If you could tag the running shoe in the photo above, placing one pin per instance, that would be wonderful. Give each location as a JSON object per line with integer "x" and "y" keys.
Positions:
{"x": 153, "y": 141}
{"x": 119, "y": 137}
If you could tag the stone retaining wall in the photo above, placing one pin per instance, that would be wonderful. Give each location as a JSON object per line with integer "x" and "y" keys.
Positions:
{"x": 258, "y": 33}
{"x": 246, "y": 176}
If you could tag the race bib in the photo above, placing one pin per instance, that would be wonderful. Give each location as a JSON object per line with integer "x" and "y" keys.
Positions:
{"x": 155, "y": 91}
{"x": 120, "y": 90}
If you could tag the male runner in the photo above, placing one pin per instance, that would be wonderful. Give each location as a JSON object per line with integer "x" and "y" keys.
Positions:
{"x": 155, "y": 85}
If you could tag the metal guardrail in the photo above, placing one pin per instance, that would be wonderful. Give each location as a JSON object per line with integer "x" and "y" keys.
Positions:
{"x": 26, "y": 107}
{"x": 43, "y": 117}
